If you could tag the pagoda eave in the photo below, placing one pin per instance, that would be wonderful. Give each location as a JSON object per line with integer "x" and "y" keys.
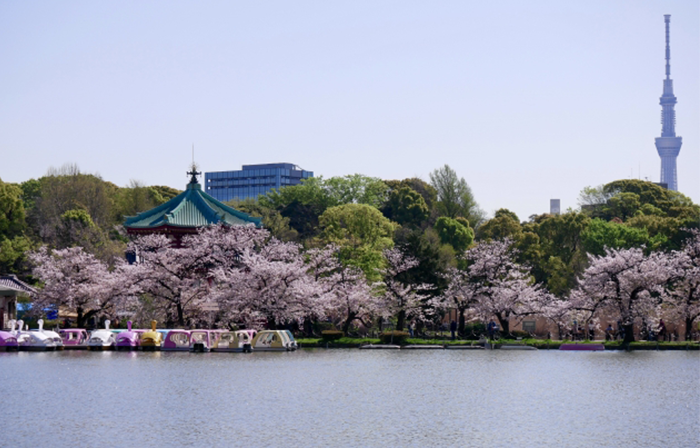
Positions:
{"x": 165, "y": 229}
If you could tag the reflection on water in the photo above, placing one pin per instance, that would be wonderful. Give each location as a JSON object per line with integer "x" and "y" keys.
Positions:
{"x": 352, "y": 398}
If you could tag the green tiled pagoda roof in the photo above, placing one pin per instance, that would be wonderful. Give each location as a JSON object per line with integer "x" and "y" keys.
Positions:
{"x": 190, "y": 209}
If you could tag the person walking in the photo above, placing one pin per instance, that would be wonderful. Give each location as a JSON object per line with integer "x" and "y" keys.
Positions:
{"x": 453, "y": 329}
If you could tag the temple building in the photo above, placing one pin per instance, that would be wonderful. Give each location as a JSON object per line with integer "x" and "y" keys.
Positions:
{"x": 11, "y": 288}
{"x": 186, "y": 213}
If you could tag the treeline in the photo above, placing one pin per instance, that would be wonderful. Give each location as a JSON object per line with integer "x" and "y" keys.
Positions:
{"x": 432, "y": 226}
{"x": 67, "y": 208}
{"x": 436, "y": 222}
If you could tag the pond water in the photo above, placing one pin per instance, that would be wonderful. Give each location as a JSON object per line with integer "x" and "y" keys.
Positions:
{"x": 317, "y": 397}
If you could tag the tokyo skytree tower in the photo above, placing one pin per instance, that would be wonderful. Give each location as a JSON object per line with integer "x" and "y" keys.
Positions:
{"x": 668, "y": 145}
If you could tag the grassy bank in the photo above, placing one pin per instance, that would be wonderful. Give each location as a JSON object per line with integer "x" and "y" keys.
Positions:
{"x": 347, "y": 342}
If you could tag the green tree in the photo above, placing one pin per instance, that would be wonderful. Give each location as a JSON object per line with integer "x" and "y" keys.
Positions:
{"x": 505, "y": 224}
{"x": 421, "y": 187}
{"x": 303, "y": 204}
{"x": 272, "y": 220}
{"x": 434, "y": 258}
{"x": 601, "y": 235}
{"x": 455, "y": 198}
{"x": 454, "y": 233}
{"x": 552, "y": 246}
{"x": 12, "y": 216}
{"x": 361, "y": 232}
{"x": 406, "y": 207}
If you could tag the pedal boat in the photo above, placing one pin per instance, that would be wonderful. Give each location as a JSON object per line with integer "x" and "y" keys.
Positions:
{"x": 177, "y": 340}
{"x": 74, "y": 337}
{"x": 274, "y": 341}
{"x": 102, "y": 339}
{"x": 234, "y": 341}
{"x": 202, "y": 341}
{"x": 8, "y": 339}
{"x": 152, "y": 339}
{"x": 129, "y": 339}
{"x": 38, "y": 340}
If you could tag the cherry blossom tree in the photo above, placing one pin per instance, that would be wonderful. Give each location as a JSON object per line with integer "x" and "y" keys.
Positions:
{"x": 403, "y": 300}
{"x": 272, "y": 284}
{"x": 179, "y": 279}
{"x": 76, "y": 280}
{"x": 623, "y": 282}
{"x": 348, "y": 297}
{"x": 459, "y": 294}
{"x": 559, "y": 312}
{"x": 174, "y": 277}
{"x": 684, "y": 287}
{"x": 501, "y": 287}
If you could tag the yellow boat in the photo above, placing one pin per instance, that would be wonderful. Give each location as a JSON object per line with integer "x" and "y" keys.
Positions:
{"x": 274, "y": 340}
{"x": 151, "y": 340}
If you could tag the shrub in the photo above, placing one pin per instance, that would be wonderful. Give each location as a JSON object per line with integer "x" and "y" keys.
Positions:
{"x": 332, "y": 335}
{"x": 393, "y": 337}
{"x": 518, "y": 334}
{"x": 473, "y": 331}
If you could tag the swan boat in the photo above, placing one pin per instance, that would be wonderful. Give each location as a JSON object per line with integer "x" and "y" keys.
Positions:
{"x": 152, "y": 339}
{"x": 8, "y": 339}
{"x": 38, "y": 340}
{"x": 129, "y": 339}
{"x": 102, "y": 339}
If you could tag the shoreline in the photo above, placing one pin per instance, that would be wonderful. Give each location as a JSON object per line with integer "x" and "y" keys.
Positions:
{"x": 538, "y": 344}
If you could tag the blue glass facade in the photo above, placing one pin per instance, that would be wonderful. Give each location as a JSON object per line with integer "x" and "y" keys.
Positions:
{"x": 253, "y": 180}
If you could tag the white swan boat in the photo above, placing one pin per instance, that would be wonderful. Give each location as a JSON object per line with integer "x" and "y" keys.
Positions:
{"x": 102, "y": 339}
{"x": 38, "y": 340}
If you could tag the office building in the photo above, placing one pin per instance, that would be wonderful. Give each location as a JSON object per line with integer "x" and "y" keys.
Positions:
{"x": 253, "y": 180}
{"x": 554, "y": 206}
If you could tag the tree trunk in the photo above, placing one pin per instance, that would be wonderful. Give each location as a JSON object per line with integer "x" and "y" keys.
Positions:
{"x": 460, "y": 329}
{"x": 180, "y": 315}
{"x": 348, "y": 321}
{"x": 505, "y": 325}
{"x": 629, "y": 333}
{"x": 81, "y": 319}
{"x": 401, "y": 321}
{"x": 308, "y": 327}
{"x": 688, "y": 328}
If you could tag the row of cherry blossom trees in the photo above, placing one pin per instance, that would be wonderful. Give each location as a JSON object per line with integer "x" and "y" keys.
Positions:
{"x": 245, "y": 276}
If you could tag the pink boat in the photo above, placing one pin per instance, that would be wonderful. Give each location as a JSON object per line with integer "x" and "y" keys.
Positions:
{"x": 582, "y": 347}
{"x": 177, "y": 340}
{"x": 129, "y": 339}
{"x": 73, "y": 337}
{"x": 8, "y": 339}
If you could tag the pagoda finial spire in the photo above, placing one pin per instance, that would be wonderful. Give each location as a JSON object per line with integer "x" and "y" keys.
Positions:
{"x": 193, "y": 170}
{"x": 194, "y": 173}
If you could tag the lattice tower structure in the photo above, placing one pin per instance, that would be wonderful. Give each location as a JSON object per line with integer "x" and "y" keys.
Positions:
{"x": 668, "y": 145}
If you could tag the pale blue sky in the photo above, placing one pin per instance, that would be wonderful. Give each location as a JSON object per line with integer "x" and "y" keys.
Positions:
{"x": 526, "y": 100}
